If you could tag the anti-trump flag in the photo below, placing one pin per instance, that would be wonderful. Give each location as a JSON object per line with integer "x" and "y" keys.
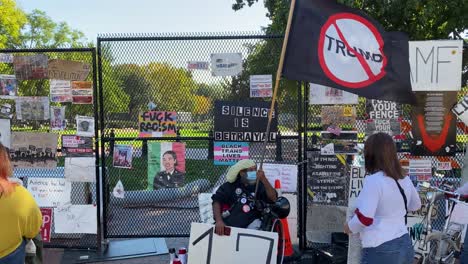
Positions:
{"x": 340, "y": 47}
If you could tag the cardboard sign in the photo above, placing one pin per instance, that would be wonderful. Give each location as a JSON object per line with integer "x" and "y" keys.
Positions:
{"x": 241, "y": 246}
{"x": 5, "y": 132}
{"x": 157, "y": 123}
{"x": 434, "y": 125}
{"x": 32, "y": 108}
{"x": 76, "y": 219}
{"x": 286, "y": 173}
{"x": 46, "y": 227}
{"x": 82, "y": 92}
{"x": 436, "y": 65}
{"x": 50, "y": 192}
{"x": 8, "y": 86}
{"x": 33, "y": 150}
{"x": 326, "y": 178}
{"x": 68, "y": 70}
{"x": 77, "y": 146}
{"x": 60, "y": 91}
{"x": 229, "y": 153}
{"x": 84, "y": 126}
{"x": 226, "y": 64}
{"x": 323, "y": 95}
{"x": 243, "y": 121}
{"x": 338, "y": 116}
{"x": 261, "y": 85}
{"x": 31, "y": 67}
{"x": 81, "y": 169}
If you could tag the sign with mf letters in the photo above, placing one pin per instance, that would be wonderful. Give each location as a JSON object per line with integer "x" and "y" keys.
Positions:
{"x": 436, "y": 65}
{"x": 239, "y": 245}
{"x": 243, "y": 121}
{"x": 50, "y": 192}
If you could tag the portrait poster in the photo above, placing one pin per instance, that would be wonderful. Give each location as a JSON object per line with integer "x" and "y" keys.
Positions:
{"x": 326, "y": 178}
{"x": 33, "y": 150}
{"x": 382, "y": 116}
{"x": 5, "y": 132}
{"x": 84, "y": 126}
{"x": 226, "y": 64}
{"x": 57, "y": 118}
{"x": 261, "y": 85}
{"x": 32, "y": 108}
{"x": 157, "y": 123}
{"x": 6, "y": 111}
{"x": 77, "y": 146}
{"x": 338, "y": 116}
{"x": 229, "y": 153}
{"x": 82, "y": 92}
{"x": 8, "y": 86}
{"x": 60, "y": 91}
{"x": 324, "y": 95}
{"x": 68, "y": 70}
{"x": 31, "y": 67}
{"x": 166, "y": 165}
{"x": 123, "y": 155}
{"x": 434, "y": 124}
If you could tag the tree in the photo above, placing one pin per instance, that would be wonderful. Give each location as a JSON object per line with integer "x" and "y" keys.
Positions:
{"x": 12, "y": 20}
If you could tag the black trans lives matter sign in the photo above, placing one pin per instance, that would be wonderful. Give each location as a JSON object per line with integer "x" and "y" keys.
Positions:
{"x": 243, "y": 121}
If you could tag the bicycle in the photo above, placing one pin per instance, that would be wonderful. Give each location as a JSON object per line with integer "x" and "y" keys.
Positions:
{"x": 440, "y": 246}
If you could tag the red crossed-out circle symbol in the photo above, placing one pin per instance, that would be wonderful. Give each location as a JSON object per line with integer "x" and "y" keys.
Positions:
{"x": 350, "y": 51}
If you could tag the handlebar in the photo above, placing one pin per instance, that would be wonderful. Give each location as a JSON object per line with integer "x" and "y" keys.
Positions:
{"x": 453, "y": 196}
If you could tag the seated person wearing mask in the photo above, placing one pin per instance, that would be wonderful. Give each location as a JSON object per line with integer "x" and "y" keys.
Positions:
{"x": 232, "y": 202}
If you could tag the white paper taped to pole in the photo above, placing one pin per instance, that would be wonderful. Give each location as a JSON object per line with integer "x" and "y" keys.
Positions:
{"x": 80, "y": 169}
{"x": 241, "y": 246}
{"x": 76, "y": 219}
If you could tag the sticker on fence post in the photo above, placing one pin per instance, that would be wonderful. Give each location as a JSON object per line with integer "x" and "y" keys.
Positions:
{"x": 46, "y": 227}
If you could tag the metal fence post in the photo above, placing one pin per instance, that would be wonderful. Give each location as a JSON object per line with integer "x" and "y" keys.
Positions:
{"x": 112, "y": 143}
{"x": 279, "y": 149}
{"x": 210, "y": 145}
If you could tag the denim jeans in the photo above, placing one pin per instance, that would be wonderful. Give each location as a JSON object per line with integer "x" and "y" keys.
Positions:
{"x": 396, "y": 251}
{"x": 464, "y": 253}
{"x": 15, "y": 257}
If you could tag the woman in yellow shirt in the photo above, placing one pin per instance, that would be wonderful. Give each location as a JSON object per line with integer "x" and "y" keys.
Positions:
{"x": 20, "y": 216}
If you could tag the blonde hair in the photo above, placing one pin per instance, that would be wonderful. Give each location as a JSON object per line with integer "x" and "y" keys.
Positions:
{"x": 6, "y": 171}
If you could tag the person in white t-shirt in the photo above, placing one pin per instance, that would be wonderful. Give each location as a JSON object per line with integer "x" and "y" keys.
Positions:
{"x": 382, "y": 205}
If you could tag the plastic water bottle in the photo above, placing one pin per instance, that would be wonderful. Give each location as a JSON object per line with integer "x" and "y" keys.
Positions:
{"x": 183, "y": 255}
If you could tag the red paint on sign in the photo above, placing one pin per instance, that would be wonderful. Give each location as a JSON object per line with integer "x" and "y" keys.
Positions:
{"x": 46, "y": 227}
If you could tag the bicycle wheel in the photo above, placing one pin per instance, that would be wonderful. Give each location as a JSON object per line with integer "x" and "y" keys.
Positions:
{"x": 279, "y": 228}
{"x": 441, "y": 250}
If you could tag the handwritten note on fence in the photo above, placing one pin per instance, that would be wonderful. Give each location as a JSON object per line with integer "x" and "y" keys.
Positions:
{"x": 50, "y": 192}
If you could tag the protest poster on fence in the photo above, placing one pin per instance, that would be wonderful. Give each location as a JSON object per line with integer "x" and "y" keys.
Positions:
{"x": 286, "y": 173}
{"x": 338, "y": 116}
{"x": 157, "y": 123}
{"x": 32, "y": 108}
{"x": 420, "y": 169}
{"x": 46, "y": 228}
{"x": 68, "y": 70}
{"x": 229, "y": 153}
{"x": 326, "y": 178}
{"x": 50, "y": 192}
{"x": 8, "y": 86}
{"x": 123, "y": 156}
{"x": 344, "y": 143}
{"x": 31, "y": 67}
{"x": 434, "y": 124}
{"x": 84, "y": 126}
{"x": 5, "y": 132}
{"x": 82, "y": 92}
{"x": 6, "y": 111}
{"x": 382, "y": 116}
{"x": 198, "y": 65}
{"x": 6, "y": 58}
{"x": 436, "y": 65}
{"x": 166, "y": 165}
{"x": 57, "y": 118}
{"x": 80, "y": 169}
{"x": 226, "y": 64}
{"x": 324, "y": 95}
{"x": 33, "y": 150}
{"x": 75, "y": 219}
{"x": 261, "y": 85}
{"x": 243, "y": 121}
{"x": 60, "y": 91}
{"x": 77, "y": 146}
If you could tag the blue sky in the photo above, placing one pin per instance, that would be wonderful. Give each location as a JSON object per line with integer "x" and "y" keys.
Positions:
{"x": 150, "y": 16}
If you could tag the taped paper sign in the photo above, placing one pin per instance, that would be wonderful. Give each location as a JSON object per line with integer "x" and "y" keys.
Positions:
{"x": 32, "y": 150}
{"x": 421, "y": 169}
{"x": 123, "y": 156}
{"x": 8, "y": 86}
{"x": 84, "y": 126}
{"x": 32, "y": 108}
{"x": 229, "y": 153}
{"x": 31, "y": 67}
{"x": 241, "y": 246}
{"x": 6, "y": 111}
{"x": 50, "y": 192}
{"x": 60, "y": 91}
{"x": 323, "y": 95}
{"x": 261, "y": 85}
{"x": 119, "y": 191}
{"x": 76, "y": 219}
{"x": 68, "y": 70}
{"x": 77, "y": 146}
{"x": 82, "y": 169}
{"x": 82, "y": 92}
{"x": 436, "y": 65}
{"x": 157, "y": 123}
{"x": 198, "y": 65}
{"x": 226, "y": 64}
{"x": 46, "y": 227}
{"x": 286, "y": 173}
{"x": 6, "y": 58}
{"x": 57, "y": 118}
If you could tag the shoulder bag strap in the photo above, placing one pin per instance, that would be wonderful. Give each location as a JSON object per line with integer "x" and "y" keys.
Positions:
{"x": 404, "y": 199}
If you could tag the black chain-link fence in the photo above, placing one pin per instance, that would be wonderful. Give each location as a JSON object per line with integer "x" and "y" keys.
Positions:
{"x": 32, "y": 81}
{"x": 171, "y": 73}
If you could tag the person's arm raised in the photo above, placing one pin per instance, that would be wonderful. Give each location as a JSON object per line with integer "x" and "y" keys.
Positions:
{"x": 270, "y": 191}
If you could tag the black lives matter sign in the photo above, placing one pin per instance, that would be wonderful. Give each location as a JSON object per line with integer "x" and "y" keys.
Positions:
{"x": 383, "y": 116}
{"x": 243, "y": 121}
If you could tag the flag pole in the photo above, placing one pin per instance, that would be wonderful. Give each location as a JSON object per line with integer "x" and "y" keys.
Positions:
{"x": 275, "y": 91}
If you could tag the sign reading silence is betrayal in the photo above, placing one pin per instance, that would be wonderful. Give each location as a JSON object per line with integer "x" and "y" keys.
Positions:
{"x": 243, "y": 121}
{"x": 157, "y": 123}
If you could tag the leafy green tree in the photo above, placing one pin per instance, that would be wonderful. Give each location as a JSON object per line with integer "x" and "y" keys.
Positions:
{"x": 12, "y": 20}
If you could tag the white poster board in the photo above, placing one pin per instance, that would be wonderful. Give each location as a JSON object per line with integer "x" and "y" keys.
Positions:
{"x": 356, "y": 182}
{"x": 80, "y": 169}
{"x": 50, "y": 192}
{"x": 323, "y": 95}
{"x": 436, "y": 65}
{"x": 241, "y": 246}
{"x": 76, "y": 219}
{"x": 286, "y": 173}
{"x": 226, "y": 64}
